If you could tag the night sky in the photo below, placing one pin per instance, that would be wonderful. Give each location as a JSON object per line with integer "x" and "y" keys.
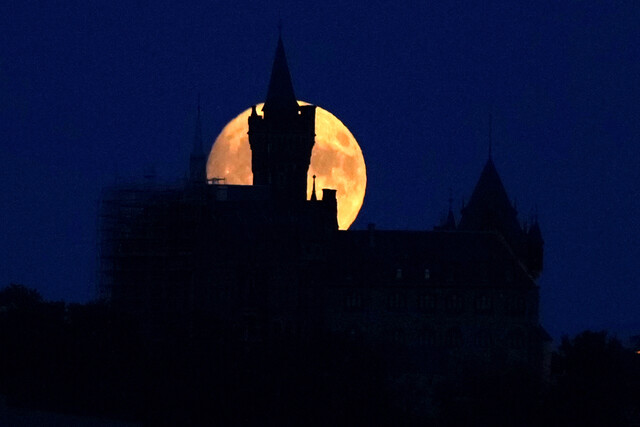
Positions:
{"x": 94, "y": 92}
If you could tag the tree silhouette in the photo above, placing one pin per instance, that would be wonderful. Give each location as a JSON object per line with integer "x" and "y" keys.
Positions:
{"x": 597, "y": 381}
{"x": 17, "y": 296}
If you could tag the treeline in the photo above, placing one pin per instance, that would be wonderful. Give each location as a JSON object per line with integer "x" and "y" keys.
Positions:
{"x": 593, "y": 380}
{"x": 88, "y": 359}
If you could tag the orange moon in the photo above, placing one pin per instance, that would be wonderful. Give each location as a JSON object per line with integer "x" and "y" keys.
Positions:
{"x": 336, "y": 160}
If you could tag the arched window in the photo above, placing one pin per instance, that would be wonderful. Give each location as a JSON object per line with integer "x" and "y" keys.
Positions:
{"x": 428, "y": 338}
{"x": 397, "y": 301}
{"x": 427, "y": 302}
{"x": 353, "y": 300}
{"x": 453, "y": 338}
{"x": 484, "y": 304}
{"x": 455, "y": 304}
{"x": 483, "y": 339}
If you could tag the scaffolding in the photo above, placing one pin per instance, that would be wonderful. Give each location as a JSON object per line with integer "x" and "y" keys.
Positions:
{"x": 147, "y": 245}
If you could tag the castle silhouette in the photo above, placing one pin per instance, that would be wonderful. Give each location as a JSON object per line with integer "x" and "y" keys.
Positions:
{"x": 265, "y": 263}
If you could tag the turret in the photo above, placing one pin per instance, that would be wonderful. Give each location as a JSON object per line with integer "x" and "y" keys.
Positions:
{"x": 489, "y": 209}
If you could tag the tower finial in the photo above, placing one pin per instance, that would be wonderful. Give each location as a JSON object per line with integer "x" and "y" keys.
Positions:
{"x": 313, "y": 190}
{"x": 449, "y": 222}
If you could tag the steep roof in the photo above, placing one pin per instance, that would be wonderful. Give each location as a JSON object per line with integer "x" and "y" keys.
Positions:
{"x": 280, "y": 95}
{"x": 489, "y": 207}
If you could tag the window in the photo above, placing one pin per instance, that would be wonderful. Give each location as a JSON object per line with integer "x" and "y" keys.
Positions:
{"x": 427, "y": 274}
{"x": 516, "y": 339}
{"x": 397, "y": 301}
{"x": 398, "y": 274}
{"x": 455, "y": 304}
{"x": 353, "y": 301}
{"x": 484, "y": 304}
{"x": 453, "y": 338}
{"x": 427, "y": 302}
{"x": 483, "y": 339}
{"x": 428, "y": 338}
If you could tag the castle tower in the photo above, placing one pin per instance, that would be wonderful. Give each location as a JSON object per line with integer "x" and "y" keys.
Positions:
{"x": 489, "y": 209}
{"x": 282, "y": 138}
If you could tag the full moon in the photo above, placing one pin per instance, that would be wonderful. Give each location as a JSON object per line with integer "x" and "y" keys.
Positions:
{"x": 336, "y": 161}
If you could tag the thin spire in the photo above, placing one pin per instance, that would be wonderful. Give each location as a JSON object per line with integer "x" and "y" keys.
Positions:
{"x": 313, "y": 190}
{"x": 450, "y": 223}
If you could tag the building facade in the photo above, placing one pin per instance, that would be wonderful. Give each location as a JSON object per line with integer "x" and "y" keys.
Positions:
{"x": 265, "y": 262}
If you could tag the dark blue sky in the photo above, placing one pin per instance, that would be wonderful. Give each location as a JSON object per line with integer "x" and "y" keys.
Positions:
{"x": 91, "y": 91}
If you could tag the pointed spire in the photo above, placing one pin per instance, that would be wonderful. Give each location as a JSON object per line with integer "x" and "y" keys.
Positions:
{"x": 489, "y": 207}
{"x": 313, "y": 190}
{"x": 450, "y": 223}
{"x": 280, "y": 95}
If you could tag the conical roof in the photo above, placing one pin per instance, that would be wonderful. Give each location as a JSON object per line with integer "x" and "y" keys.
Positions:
{"x": 280, "y": 95}
{"x": 489, "y": 207}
